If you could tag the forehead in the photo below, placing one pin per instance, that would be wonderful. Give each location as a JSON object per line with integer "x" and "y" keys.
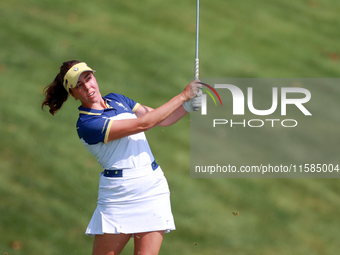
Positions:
{"x": 85, "y": 74}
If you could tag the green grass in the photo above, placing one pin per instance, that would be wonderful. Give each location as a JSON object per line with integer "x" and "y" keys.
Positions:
{"x": 145, "y": 50}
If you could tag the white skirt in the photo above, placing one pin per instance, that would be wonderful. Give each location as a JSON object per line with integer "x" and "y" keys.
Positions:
{"x": 135, "y": 203}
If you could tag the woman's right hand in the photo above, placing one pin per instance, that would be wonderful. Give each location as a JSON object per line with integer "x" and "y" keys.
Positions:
{"x": 192, "y": 89}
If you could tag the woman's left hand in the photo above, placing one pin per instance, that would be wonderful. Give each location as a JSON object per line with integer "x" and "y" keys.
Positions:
{"x": 192, "y": 89}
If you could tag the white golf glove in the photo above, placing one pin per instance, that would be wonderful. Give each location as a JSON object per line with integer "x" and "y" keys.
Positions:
{"x": 196, "y": 102}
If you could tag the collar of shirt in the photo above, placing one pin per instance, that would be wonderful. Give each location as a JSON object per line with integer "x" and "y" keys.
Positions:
{"x": 90, "y": 111}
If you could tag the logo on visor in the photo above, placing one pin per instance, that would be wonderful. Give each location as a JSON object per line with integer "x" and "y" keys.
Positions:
{"x": 75, "y": 69}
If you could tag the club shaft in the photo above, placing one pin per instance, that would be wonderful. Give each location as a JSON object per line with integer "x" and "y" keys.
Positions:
{"x": 197, "y": 39}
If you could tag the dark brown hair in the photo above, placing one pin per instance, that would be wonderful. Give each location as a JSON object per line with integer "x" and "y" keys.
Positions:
{"x": 55, "y": 93}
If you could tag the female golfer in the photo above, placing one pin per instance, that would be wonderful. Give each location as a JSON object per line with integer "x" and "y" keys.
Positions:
{"x": 133, "y": 197}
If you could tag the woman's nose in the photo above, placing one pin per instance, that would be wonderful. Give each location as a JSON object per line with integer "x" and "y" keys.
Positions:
{"x": 86, "y": 86}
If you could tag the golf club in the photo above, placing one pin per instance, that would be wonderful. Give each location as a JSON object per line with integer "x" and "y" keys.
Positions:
{"x": 197, "y": 36}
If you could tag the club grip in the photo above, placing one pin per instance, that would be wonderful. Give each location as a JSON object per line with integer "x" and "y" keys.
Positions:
{"x": 196, "y": 77}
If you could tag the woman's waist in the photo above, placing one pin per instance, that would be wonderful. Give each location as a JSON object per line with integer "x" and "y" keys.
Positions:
{"x": 130, "y": 172}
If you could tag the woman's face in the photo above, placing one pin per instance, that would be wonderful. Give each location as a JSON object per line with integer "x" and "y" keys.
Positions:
{"x": 87, "y": 90}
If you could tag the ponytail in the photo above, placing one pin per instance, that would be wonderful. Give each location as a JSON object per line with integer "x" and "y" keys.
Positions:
{"x": 55, "y": 93}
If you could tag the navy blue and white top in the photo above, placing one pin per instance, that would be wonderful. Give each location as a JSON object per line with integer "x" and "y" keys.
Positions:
{"x": 93, "y": 127}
